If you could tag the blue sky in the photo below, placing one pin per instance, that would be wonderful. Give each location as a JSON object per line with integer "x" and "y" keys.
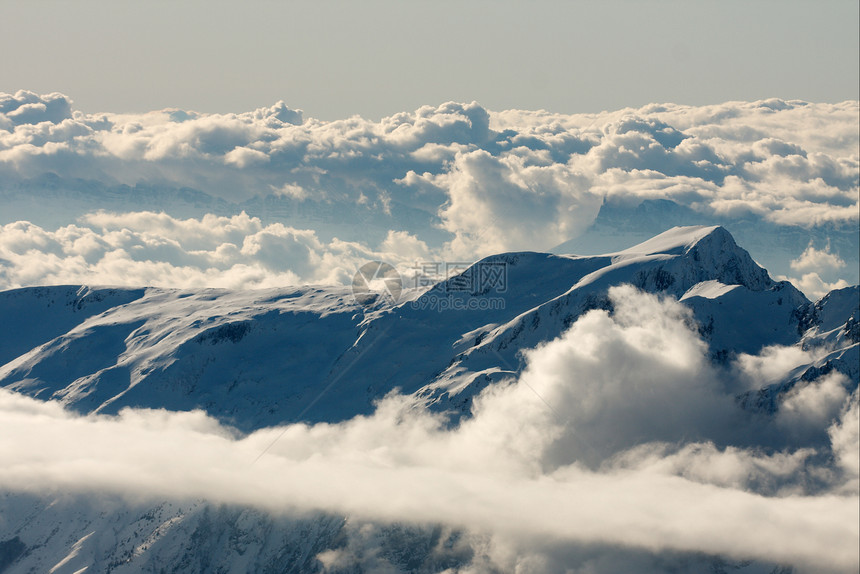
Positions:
{"x": 378, "y": 57}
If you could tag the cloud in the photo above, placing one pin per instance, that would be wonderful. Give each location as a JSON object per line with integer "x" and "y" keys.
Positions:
{"x": 26, "y": 107}
{"x": 291, "y": 191}
{"x": 504, "y": 205}
{"x": 814, "y": 406}
{"x": 491, "y": 181}
{"x": 147, "y": 248}
{"x": 659, "y": 386}
{"x": 817, "y": 260}
{"x": 813, "y": 286}
{"x": 537, "y": 469}
{"x": 772, "y": 364}
{"x": 845, "y": 438}
{"x": 819, "y": 269}
{"x": 779, "y": 473}
{"x": 243, "y": 157}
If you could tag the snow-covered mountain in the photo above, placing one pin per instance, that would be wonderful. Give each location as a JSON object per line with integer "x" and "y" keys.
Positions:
{"x": 255, "y": 359}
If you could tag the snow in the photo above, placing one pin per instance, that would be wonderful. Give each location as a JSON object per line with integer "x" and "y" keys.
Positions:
{"x": 835, "y": 306}
{"x": 711, "y": 289}
{"x": 66, "y": 535}
{"x": 67, "y": 563}
{"x": 671, "y": 242}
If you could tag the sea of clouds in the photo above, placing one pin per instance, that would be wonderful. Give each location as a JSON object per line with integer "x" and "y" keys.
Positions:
{"x": 618, "y": 443}
{"x": 271, "y": 197}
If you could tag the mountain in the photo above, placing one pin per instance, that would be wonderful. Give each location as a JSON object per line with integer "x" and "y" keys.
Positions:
{"x": 830, "y": 325}
{"x": 258, "y": 358}
{"x": 255, "y": 359}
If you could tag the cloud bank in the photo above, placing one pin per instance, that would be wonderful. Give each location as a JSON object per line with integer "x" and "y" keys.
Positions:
{"x": 536, "y": 468}
{"x": 147, "y": 248}
{"x": 462, "y": 178}
{"x": 816, "y": 267}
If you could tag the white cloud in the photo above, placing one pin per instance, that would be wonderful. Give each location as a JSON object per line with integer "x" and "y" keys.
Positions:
{"x": 147, "y": 248}
{"x": 819, "y": 270}
{"x": 845, "y": 437}
{"x": 772, "y": 364}
{"x": 814, "y": 405}
{"x": 780, "y": 473}
{"x": 817, "y": 260}
{"x": 659, "y": 384}
{"x": 26, "y": 107}
{"x": 813, "y": 286}
{"x": 495, "y": 180}
{"x": 661, "y": 482}
{"x": 290, "y": 190}
{"x": 506, "y": 205}
{"x": 401, "y": 246}
{"x": 243, "y": 157}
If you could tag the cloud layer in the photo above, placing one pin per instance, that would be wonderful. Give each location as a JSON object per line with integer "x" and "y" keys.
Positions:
{"x": 457, "y": 179}
{"x": 791, "y": 162}
{"x": 537, "y": 468}
{"x": 146, "y": 248}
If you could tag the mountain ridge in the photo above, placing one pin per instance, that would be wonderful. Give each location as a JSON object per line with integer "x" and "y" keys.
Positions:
{"x": 224, "y": 351}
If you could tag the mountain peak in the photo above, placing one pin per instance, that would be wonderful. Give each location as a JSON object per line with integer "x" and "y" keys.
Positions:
{"x": 711, "y": 248}
{"x": 678, "y": 240}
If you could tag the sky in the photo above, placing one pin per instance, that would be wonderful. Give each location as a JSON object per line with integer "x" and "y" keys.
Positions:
{"x": 335, "y": 59}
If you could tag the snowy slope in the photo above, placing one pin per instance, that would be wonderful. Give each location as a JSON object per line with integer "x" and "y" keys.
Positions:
{"x": 256, "y": 353}
{"x": 122, "y": 537}
{"x": 37, "y": 315}
{"x": 830, "y": 326}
